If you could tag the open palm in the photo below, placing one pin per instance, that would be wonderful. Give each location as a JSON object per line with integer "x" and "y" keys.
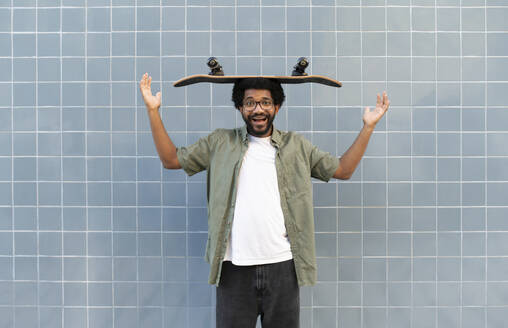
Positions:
{"x": 371, "y": 117}
{"x": 152, "y": 102}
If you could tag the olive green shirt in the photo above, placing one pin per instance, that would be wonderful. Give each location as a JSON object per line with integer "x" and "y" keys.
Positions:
{"x": 296, "y": 161}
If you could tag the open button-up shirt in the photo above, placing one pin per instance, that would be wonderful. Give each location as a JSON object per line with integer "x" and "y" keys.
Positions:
{"x": 297, "y": 160}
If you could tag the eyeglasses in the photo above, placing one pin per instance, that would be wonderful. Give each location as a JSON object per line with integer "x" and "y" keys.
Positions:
{"x": 250, "y": 104}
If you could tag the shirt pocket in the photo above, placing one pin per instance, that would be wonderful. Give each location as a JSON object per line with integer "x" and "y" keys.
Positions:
{"x": 296, "y": 174}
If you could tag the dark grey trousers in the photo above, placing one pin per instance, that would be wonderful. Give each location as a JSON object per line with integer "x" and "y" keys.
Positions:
{"x": 268, "y": 290}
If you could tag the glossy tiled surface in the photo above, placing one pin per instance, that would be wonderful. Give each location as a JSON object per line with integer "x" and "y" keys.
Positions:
{"x": 94, "y": 233}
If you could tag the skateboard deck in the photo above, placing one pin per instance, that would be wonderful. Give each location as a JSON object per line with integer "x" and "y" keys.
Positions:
{"x": 199, "y": 78}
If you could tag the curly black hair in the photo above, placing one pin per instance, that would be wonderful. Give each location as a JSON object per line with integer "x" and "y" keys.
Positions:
{"x": 271, "y": 85}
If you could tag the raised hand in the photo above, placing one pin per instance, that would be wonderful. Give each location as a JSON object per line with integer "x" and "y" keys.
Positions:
{"x": 152, "y": 102}
{"x": 371, "y": 117}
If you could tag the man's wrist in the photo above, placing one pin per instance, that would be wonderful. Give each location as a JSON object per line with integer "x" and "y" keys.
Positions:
{"x": 369, "y": 127}
{"x": 153, "y": 111}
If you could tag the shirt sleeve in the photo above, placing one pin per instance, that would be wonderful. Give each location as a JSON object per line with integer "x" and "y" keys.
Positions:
{"x": 196, "y": 157}
{"x": 322, "y": 164}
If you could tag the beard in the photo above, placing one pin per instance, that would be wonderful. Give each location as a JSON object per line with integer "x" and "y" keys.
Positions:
{"x": 258, "y": 125}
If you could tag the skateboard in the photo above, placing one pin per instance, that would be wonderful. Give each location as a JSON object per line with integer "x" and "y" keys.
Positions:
{"x": 216, "y": 75}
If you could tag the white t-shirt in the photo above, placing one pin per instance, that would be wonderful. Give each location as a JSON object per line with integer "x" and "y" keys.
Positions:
{"x": 258, "y": 234}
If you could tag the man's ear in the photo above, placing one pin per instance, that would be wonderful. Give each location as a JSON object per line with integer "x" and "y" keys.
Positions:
{"x": 277, "y": 108}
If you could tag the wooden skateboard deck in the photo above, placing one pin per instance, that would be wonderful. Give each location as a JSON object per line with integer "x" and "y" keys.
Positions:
{"x": 233, "y": 78}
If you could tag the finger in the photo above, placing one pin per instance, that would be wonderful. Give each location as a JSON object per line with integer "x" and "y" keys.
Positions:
{"x": 385, "y": 98}
{"x": 142, "y": 82}
{"x": 378, "y": 101}
{"x": 149, "y": 81}
{"x": 142, "y": 85}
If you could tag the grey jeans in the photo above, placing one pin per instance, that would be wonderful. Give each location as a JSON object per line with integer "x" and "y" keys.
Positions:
{"x": 268, "y": 290}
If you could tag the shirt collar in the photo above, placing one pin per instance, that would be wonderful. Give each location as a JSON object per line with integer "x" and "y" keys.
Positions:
{"x": 276, "y": 137}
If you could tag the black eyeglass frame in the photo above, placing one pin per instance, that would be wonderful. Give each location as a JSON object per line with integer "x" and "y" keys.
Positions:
{"x": 256, "y": 103}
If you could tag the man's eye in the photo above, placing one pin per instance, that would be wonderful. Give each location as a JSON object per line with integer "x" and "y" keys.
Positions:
{"x": 266, "y": 103}
{"x": 249, "y": 103}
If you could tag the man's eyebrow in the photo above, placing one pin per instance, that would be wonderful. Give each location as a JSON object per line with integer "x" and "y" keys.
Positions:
{"x": 264, "y": 98}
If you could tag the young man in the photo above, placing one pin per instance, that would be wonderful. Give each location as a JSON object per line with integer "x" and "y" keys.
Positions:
{"x": 260, "y": 215}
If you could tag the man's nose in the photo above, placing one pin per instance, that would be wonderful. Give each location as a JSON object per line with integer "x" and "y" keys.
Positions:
{"x": 257, "y": 108}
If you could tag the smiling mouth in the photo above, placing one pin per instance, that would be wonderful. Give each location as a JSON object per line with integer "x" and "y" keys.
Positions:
{"x": 259, "y": 119}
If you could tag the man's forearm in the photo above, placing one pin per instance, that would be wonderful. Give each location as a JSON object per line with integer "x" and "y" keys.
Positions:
{"x": 165, "y": 147}
{"x": 350, "y": 159}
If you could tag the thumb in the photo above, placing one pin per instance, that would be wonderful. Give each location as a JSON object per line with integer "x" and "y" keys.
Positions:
{"x": 159, "y": 95}
{"x": 367, "y": 110}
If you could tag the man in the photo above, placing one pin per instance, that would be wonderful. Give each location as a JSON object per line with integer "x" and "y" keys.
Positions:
{"x": 260, "y": 217}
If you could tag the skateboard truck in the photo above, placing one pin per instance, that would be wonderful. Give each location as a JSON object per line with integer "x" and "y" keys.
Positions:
{"x": 299, "y": 68}
{"x": 215, "y": 68}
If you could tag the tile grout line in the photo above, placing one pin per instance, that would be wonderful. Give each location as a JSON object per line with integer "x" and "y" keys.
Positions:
{"x": 260, "y": 37}
{"x": 286, "y": 115}
{"x": 268, "y": 6}
{"x": 337, "y": 217}
{"x": 461, "y": 201}
{"x": 62, "y": 271}
{"x": 37, "y": 301}
{"x": 186, "y": 94}
{"x": 411, "y": 168}
{"x": 362, "y": 189}
{"x": 436, "y": 147}
{"x": 236, "y": 41}
{"x": 485, "y": 154}
{"x": 113, "y": 300}
{"x": 312, "y": 132}
{"x": 13, "y": 313}
{"x": 86, "y": 167}
{"x": 211, "y": 88}
{"x": 387, "y": 129}
{"x": 136, "y": 113}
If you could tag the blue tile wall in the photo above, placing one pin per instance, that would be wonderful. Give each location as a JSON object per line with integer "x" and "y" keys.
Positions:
{"x": 95, "y": 233}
